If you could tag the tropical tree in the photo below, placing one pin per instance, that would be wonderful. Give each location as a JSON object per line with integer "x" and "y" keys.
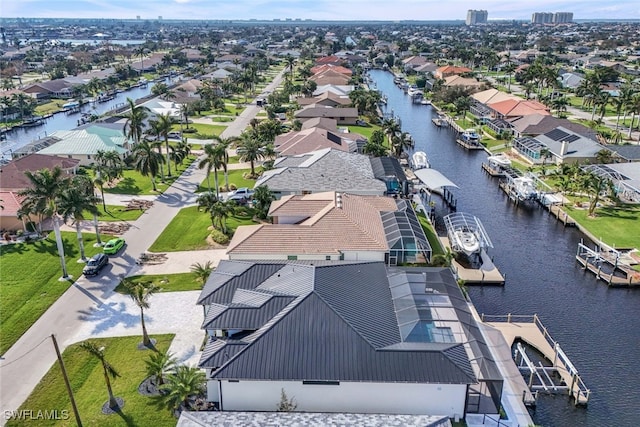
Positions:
{"x": 41, "y": 198}
{"x": 462, "y": 105}
{"x": 391, "y": 128}
{"x": 162, "y": 127}
{"x": 202, "y": 271}
{"x": 134, "y": 125}
{"x": 160, "y": 364}
{"x": 224, "y": 144}
{"x": 595, "y": 186}
{"x": 141, "y": 293}
{"x": 108, "y": 370}
{"x": 182, "y": 384}
{"x": 147, "y": 161}
{"x": 212, "y": 161}
{"x": 262, "y": 198}
{"x": 250, "y": 149}
{"x": 401, "y": 142}
{"x": 74, "y": 201}
{"x": 206, "y": 201}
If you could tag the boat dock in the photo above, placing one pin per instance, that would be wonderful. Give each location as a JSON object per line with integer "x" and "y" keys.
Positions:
{"x": 499, "y": 172}
{"x": 541, "y": 377}
{"x": 469, "y": 146}
{"x": 487, "y": 274}
{"x": 609, "y": 265}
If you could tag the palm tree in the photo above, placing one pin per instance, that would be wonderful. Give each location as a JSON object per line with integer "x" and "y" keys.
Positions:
{"x": 41, "y": 198}
{"x": 225, "y": 143}
{"x": 220, "y": 211}
{"x": 134, "y": 125}
{"x": 399, "y": 143}
{"x": 206, "y": 201}
{"x": 202, "y": 271}
{"x": 159, "y": 364}
{"x": 182, "y": 384}
{"x": 147, "y": 161}
{"x": 140, "y": 293}
{"x": 74, "y": 202}
{"x": 250, "y": 149}
{"x": 263, "y": 197}
{"x": 212, "y": 161}
{"x": 162, "y": 127}
{"x": 108, "y": 370}
{"x": 391, "y": 128}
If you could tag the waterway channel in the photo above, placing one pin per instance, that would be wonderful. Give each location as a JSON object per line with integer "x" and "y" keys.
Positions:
{"x": 598, "y": 327}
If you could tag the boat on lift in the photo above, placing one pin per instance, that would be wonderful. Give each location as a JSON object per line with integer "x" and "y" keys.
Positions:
{"x": 524, "y": 188}
{"x": 470, "y": 136}
{"x": 419, "y": 160}
{"x": 466, "y": 240}
{"x": 70, "y": 105}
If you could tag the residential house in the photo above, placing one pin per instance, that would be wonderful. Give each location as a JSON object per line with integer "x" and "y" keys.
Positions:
{"x": 624, "y": 176}
{"x": 326, "y": 99}
{"x": 312, "y": 139}
{"x": 513, "y": 108}
{"x": 323, "y": 170}
{"x": 10, "y": 219}
{"x": 83, "y": 144}
{"x": 538, "y": 124}
{"x": 450, "y": 70}
{"x": 344, "y": 116}
{"x": 328, "y": 67}
{"x": 571, "y": 80}
{"x": 563, "y": 146}
{"x": 347, "y": 337}
{"x": 330, "y": 77}
{"x": 340, "y": 90}
{"x": 12, "y": 175}
{"x": 467, "y": 83}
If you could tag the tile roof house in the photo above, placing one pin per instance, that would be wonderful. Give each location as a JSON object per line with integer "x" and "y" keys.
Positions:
{"x": 341, "y": 90}
{"x": 83, "y": 144}
{"x": 12, "y": 175}
{"x": 327, "y": 99}
{"x": 465, "y": 82}
{"x": 312, "y": 139}
{"x": 537, "y": 124}
{"x": 352, "y": 337}
{"x": 326, "y": 67}
{"x": 344, "y": 116}
{"x": 335, "y": 226}
{"x": 512, "y": 108}
{"x": 9, "y": 218}
{"x": 330, "y": 77}
{"x": 450, "y": 70}
{"x": 322, "y": 170}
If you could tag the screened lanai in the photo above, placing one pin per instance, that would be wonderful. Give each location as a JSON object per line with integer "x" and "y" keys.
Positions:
{"x": 529, "y": 148}
{"x": 405, "y": 236}
{"x": 625, "y": 178}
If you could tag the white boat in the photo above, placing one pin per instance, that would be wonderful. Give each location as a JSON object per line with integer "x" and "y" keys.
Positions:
{"x": 71, "y": 104}
{"x": 470, "y": 136}
{"x": 425, "y": 102}
{"x": 466, "y": 240}
{"x": 419, "y": 160}
{"x": 524, "y": 188}
{"x": 499, "y": 161}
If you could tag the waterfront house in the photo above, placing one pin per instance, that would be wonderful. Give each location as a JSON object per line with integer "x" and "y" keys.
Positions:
{"x": 323, "y": 170}
{"x": 312, "y": 139}
{"x": 330, "y": 77}
{"x": 12, "y": 175}
{"x": 563, "y": 146}
{"x": 513, "y": 108}
{"x": 344, "y": 116}
{"x": 450, "y": 70}
{"x": 349, "y": 337}
{"x": 336, "y": 226}
{"x": 326, "y": 99}
{"x": 340, "y": 90}
{"x": 538, "y": 124}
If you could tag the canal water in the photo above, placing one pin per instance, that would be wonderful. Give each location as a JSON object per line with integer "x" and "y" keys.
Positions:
{"x": 598, "y": 327}
{"x": 62, "y": 121}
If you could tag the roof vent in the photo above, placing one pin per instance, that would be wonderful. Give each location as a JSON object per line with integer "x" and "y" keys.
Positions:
{"x": 338, "y": 200}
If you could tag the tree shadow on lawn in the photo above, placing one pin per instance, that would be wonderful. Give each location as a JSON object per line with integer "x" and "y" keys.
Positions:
{"x": 48, "y": 245}
{"x": 125, "y": 186}
{"x": 109, "y": 315}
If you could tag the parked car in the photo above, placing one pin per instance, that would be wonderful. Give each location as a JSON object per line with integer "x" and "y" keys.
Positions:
{"x": 174, "y": 134}
{"x": 113, "y": 246}
{"x": 95, "y": 264}
{"x": 242, "y": 192}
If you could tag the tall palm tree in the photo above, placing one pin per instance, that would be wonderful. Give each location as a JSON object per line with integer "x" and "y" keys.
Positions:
{"x": 74, "y": 202}
{"x": 41, "y": 198}
{"x": 159, "y": 364}
{"x": 206, "y": 201}
{"x": 212, "y": 160}
{"x": 108, "y": 370}
{"x": 224, "y": 144}
{"x": 162, "y": 127}
{"x": 134, "y": 126}
{"x": 140, "y": 293}
{"x": 250, "y": 149}
{"x": 147, "y": 161}
{"x": 182, "y": 384}
{"x": 263, "y": 198}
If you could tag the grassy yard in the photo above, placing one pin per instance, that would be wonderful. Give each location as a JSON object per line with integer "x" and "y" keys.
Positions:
{"x": 235, "y": 177}
{"x": 50, "y": 107}
{"x": 203, "y": 131}
{"x": 616, "y": 226}
{"x": 118, "y": 213}
{"x": 30, "y": 273}
{"x": 436, "y": 246}
{"x": 90, "y": 392}
{"x": 189, "y": 229}
{"x": 365, "y": 131}
{"x": 167, "y": 282}
{"x": 134, "y": 183}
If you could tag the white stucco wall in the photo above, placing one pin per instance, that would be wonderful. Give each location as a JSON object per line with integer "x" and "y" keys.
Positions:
{"x": 364, "y": 255}
{"x": 385, "y": 398}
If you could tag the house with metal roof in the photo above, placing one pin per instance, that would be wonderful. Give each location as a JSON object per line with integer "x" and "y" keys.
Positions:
{"x": 562, "y": 145}
{"x": 84, "y": 144}
{"x": 322, "y": 170}
{"x": 335, "y": 226}
{"x": 350, "y": 337}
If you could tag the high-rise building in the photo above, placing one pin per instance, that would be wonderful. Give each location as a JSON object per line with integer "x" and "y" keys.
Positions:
{"x": 476, "y": 17}
{"x": 542, "y": 18}
{"x": 562, "y": 17}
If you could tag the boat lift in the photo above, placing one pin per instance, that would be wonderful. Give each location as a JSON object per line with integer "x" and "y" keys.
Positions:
{"x": 461, "y": 221}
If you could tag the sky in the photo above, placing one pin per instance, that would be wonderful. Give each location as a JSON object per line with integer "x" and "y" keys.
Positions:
{"x": 315, "y": 9}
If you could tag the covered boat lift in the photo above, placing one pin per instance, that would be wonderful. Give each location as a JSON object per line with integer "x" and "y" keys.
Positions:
{"x": 436, "y": 182}
{"x": 460, "y": 221}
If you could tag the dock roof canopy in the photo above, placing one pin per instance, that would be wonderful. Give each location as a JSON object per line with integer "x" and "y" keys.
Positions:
{"x": 433, "y": 179}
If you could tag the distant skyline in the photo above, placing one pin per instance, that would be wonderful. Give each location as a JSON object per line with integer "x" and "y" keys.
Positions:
{"x": 351, "y": 10}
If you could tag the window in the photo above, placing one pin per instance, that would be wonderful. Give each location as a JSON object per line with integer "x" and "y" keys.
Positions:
{"x": 328, "y": 258}
{"x": 320, "y": 382}
{"x": 292, "y": 257}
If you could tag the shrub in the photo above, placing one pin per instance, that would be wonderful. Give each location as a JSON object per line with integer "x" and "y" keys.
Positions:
{"x": 232, "y": 187}
{"x": 190, "y": 130}
{"x": 219, "y": 237}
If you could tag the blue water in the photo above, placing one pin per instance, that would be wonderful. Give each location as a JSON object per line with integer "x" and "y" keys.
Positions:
{"x": 598, "y": 327}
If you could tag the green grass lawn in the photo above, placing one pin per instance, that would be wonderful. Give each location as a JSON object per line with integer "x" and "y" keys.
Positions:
{"x": 89, "y": 389}
{"x": 616, "y": 226}
{"x": 235, "y": 177}
{"x": 365, "y": 131}
{"x": 436, "y": 246}
{"x": 203, "y": 131}
{"x": 118, "y": 213}
{"x": 134, "y": 183}
{"x": 188, "y": 231}
{"x": 49, "y": 107}
{"x": 167, "y": 282}
{"x": 29, "y": 286}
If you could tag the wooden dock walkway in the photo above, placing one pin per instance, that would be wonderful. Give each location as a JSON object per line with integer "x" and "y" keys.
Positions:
{"x": 492, "y": 171}
{"x": 562, "y": 216}
{"x": 595, "y": 261}
{"x": 469, "y": 146}
{"x": 532, "y": 332}
{"x": 487, "y": 274}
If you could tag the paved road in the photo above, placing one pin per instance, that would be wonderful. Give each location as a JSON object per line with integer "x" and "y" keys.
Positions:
{"x": 26, "y": 362}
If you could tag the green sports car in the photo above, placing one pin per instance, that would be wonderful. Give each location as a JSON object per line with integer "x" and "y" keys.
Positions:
{"x": 113, "y": 246}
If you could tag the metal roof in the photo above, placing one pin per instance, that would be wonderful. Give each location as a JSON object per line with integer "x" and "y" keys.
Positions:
{"x": 387, "y": 166}
{"x": 433, "y": 179}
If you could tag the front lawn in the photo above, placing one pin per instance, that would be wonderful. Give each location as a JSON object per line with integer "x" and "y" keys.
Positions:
{"x": 615, "y": 226}
{"x": 30, "y": 285}
{"x": 236, "y": 177}
{"x": 134, "y": 183}
{"x": 90, "y": 392}
{"x": 365, "y": 131}
{"x": 118, "y": 213}
{"x": 202, "y": 131}
{"x": 167, "y": 282}
{"x": 188, "y": 231}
